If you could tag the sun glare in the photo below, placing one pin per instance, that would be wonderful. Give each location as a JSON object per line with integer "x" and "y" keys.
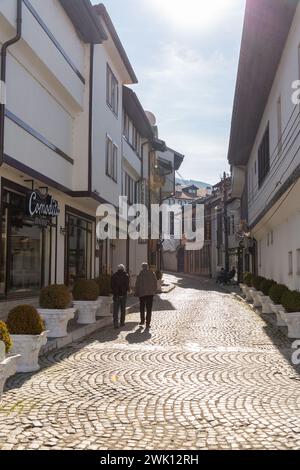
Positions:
{"x": 192, "y": 14}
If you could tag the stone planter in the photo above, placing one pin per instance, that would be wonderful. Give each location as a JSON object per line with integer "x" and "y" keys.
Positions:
{"x": 8, "y": 367}
{"x": 106, "y": 307}
{"x": 249, "y": 294}
{"x": 56, "y": 321}
{"x": 280, "y": 314}
{"x": 86, "y": 311}
{"x": 28, "y": 348}
{"x": 159, "y": 285}
{"x": 257, "y": 295}
{"x": 266, "y": 304}
{"x": 293, "y": 324}
{"x": 100, "y": 301}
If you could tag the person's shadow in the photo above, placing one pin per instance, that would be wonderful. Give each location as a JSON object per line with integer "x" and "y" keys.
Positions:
{"x": 139, "y": 336}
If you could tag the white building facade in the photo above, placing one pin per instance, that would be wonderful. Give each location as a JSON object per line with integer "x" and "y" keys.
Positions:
{"x": 265, "y": 143}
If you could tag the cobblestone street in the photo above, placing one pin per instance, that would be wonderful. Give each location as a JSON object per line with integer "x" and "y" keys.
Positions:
{"x": 210, "y": 374}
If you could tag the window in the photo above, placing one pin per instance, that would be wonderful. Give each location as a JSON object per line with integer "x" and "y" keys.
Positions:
{"x": 264, "y": 157}
{"x": 112, "y": 91}
{"x": 129, "y": 188}
{"x": 232, "y": 224}
{"x": 111, "y": 159}
{"x": 126, "y": 126}
{"x": 298, "y": 262}
{"x": 78, "y": 248}
{"x": 290, "y": 263}
{"x": 25, "y": 246}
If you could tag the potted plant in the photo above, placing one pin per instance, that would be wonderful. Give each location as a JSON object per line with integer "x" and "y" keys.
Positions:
{"x": 265, "y": 287}
{"x": 55, "y": 310}
{"x": 276, "y": 293}
{"x": 85, "y": 295}
{"x": 8, "y": 365}
{"x": 291, "y": 303}
{"x": 159, "y": 276}
{"x": 105, "y": 295}
{"x": 256, "y": 293}
{"x": 28, "y": 334}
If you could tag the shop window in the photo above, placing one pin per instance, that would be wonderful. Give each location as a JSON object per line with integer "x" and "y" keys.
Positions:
{"x": 79, "y": 249}
{"x": 26, "y": 247}
{"x": 290, "y": 263}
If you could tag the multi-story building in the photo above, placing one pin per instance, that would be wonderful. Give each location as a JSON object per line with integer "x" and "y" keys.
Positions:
{"x": 264, "y": 144}
{"x": 67, "y": 144}
{"x": 47, "y": 204}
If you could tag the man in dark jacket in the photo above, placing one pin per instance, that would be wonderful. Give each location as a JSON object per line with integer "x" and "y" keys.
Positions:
{"x": 120, "y": 287}
{"x": 145, "y": 289}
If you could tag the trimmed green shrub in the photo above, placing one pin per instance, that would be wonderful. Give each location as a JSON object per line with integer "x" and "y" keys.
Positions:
{"x": 291, "y": 301}
{"x": 25, "y": 320}
{"x": 276, "y": 293}
{"x": 248, "y": 279}
{"x": 5, "y": 337}
{"x": 266, "y": 285}
{"x": 86, "y": 290}
{"x": 256, "y": 282}
{"x": 104, "y": 284}
{"x": 55, "y": 297}
{"x": 159, "y": 275}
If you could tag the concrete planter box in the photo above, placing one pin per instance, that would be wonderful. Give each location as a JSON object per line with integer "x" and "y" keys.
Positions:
{"x": 56, "y": 321}
{"x": 249, "y": 294}
{"x": 86, "y": 311}
{"x": 293, "y": 324}
{"x": 28, "y": 348}
{"x": 244, "y": 289}
{"x": 280, "y": 314}
{"x": 257, "y": 295}
{"x": 266, "y": 303}
{"x": 159, "y": 285}
{"x": 8, "y": 367}
{"x": 106, "y": 306}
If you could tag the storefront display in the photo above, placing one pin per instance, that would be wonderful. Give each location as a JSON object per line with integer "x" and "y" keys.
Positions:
{"x": 27, "y": 239}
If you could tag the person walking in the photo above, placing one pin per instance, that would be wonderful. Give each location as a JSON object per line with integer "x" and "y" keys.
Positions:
{"x": 145, "y": 289}
{"x": 119, "y": 287}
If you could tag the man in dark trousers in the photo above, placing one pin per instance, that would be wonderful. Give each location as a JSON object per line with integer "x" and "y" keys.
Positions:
{"x": 120, "y": 287}
{"x": 145, "y": 289}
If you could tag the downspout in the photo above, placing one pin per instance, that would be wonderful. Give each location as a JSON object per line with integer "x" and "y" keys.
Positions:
{"x": 91, "y": 97}
{"x": 4, "y": 48}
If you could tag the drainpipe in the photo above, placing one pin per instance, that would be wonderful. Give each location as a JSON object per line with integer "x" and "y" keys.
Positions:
{"x": 4, "y": 48}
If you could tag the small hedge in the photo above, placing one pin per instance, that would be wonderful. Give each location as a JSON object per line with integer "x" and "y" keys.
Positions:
{"x": 256, "y": 282}
{"x": 104, "y": 284}
{"x": 291, "y": 301}
{"x": 159, "y": 275}
{"x": 276, "y": 292}
{"x": 266, "y": 285}
{"x": 56, "y": 297}
{"x": 248, "y": 279}
{"x": 86, "y": 290}
{"x": 4, "y": 336}
{"x": 25, "y": 320}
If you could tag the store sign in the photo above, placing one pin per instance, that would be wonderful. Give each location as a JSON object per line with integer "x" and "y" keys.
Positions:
{"x": 41, "y": 208}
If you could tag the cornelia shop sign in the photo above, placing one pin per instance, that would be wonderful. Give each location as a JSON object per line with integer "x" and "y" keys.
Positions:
{"x": 42, "y": 208}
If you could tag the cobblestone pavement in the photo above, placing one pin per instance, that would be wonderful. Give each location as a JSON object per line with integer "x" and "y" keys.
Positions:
{"x": 211, "y": 374}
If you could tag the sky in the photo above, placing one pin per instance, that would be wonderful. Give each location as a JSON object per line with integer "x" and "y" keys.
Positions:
{"x": 185, "y": 55}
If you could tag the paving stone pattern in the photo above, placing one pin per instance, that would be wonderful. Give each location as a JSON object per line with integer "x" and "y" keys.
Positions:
{"x": 210, "y": 374}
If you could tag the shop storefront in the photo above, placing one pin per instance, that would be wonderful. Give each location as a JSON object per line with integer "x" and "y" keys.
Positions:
{"x": 43, "y": 240}
{"x": 28, "y": 247}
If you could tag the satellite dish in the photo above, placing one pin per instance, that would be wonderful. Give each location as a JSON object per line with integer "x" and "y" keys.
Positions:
{"x": 151, "y": 118}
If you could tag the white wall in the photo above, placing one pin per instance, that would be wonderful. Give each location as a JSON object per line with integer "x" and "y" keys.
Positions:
{"x": 105, "y": 122}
